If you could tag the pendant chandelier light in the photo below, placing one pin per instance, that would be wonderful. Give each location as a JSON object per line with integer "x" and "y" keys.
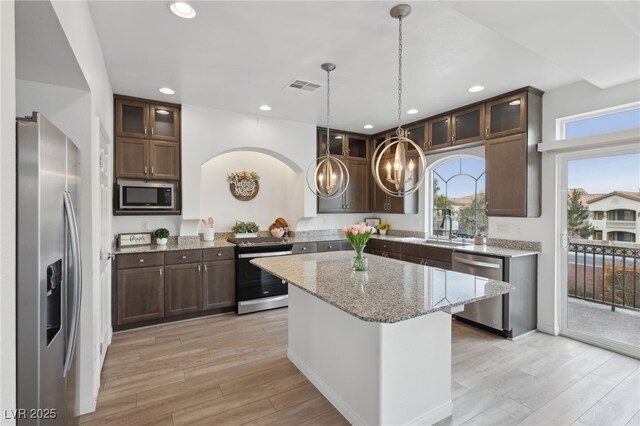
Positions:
{"x": 400, "y": 179}
{"x": 330, "y": 178}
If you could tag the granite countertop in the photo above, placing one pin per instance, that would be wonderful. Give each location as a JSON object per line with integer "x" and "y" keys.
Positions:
{"x": 470, "y": 248}
{"x": 190, "y": 245}
{"x": 390, "y": 291}
{"x": 316, "y": 238}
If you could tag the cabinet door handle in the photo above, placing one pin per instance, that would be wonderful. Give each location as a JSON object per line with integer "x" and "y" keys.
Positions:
{"x": 145, "y": 131}
{"x": 219, "y": 254}
{"x": 330, "y": 247}
{"x": 347, "y": 205}
{"x": 486, "y": 205}
{"x": 141, "y": 260}
{"x": 152, "y": 131}
{"x": 453, "y": 138}
{"x": 152, "y": 171}
{"x": 184, "y": 257}
{"x": 160, "y": 271}
{"x": 205, "y": 268}
{"x": 145, "y": 169}
{"x": 486, "y": 131}
{"x": 199, "y": 268}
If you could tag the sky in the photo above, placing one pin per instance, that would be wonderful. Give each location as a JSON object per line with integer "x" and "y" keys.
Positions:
{"x": 461, "y": 186}
{"x": 605, "y": 174}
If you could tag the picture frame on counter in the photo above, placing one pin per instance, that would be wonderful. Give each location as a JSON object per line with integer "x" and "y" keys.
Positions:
{"x": 373, "y": 222}
{"x": 134, "y": 239}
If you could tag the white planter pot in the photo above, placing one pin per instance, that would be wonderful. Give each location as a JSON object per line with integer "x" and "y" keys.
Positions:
{"x": 383, "y": 231}
{"x": 208, "y": 234}
{"x": 247, "y": 235}
{"x": 161, "y": 241}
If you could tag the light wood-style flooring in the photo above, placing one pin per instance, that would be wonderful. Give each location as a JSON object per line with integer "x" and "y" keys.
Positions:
{"x": 232, "y": 370}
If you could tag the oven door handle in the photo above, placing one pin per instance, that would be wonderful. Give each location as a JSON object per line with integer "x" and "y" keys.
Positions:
{"x": 268, "y": 254}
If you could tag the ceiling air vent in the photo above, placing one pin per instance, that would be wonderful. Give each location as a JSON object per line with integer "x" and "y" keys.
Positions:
{"x": 303, "y": 85}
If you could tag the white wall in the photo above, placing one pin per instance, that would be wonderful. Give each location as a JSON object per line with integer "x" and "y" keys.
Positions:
{"x": 270, "y": 203}
{"x": 7, "y": 209}
{"x": 209, "y": 132}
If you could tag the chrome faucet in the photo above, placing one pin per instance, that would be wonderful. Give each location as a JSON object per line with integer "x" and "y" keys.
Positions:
{"x": 444, "y": 219}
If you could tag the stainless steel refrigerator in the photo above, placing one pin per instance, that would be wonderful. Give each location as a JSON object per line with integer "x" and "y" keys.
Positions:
{"x": 49, "y": 273}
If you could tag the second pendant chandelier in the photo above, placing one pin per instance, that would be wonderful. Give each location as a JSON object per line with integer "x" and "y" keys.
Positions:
{"x": 394, "y": 170}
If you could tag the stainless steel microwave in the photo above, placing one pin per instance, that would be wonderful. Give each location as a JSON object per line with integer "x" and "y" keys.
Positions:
{"x": 141, "y": 195}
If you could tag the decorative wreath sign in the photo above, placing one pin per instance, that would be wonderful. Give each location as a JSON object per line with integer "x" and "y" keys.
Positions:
{"x": 244, "y": 185}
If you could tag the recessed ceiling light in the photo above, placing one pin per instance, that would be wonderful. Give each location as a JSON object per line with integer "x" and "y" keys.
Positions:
{"x": 264, "y": 108}
{"x": 182, "y": 9}
{"x": 412, "y": 111}
{"x": 368, "y": 126}
{"x": 475, "y": 89}
{"x": 514, "y": 103}
{"x": 166, "y": 91}
{"x": 339, "y": 137}
{"x": 162, "y": 112}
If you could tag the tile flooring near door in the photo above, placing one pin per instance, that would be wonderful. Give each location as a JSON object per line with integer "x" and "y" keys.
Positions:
{"x": 229, "y": 370}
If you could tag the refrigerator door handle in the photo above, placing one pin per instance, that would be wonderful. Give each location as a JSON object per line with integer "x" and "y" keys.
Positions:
{"x": 77, "y": 280}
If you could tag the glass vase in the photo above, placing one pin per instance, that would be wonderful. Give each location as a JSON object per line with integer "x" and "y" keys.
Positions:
{"x": 360, "y": 262}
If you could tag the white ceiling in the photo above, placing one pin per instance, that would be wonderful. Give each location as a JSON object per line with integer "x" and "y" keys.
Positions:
{"x": 239, "y": 55}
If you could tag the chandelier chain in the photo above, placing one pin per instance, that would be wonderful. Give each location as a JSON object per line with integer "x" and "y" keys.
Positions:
{"x": 328, "y": 104}
{"x": 399, "y": 131}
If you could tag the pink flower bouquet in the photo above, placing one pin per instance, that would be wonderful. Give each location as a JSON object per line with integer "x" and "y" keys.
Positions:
{"x": 358, "y": 236}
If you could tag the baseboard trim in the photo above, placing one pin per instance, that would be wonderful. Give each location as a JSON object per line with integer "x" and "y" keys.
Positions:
{"x": 434, "y": 416}
{"x": 549, "y": 329}
{"x": 87, "y": 406}
{"x": 326, "y": 390}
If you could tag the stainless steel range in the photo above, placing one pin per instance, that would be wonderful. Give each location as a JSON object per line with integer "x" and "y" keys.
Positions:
{"x": 257, "y": 290}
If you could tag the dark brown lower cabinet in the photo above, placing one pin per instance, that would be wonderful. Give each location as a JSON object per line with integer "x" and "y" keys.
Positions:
{"x": 183, "y": 289}
{"x": 140, "y": 294}
{"x": 219, "y": 284}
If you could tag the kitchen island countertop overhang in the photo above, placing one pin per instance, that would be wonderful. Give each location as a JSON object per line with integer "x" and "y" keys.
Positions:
{"x": 390, "y": 291}
{"x": 376, "y": 344}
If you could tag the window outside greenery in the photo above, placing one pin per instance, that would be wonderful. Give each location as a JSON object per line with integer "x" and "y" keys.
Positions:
{"x": 458, "y": 191}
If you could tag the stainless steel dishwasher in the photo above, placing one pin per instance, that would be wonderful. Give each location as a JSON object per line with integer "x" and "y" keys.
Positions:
{"x": 489, "y": 312}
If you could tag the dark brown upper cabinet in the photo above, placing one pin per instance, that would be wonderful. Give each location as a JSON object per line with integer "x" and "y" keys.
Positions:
{"x": 506, "y": 178}
{"x": 147, "y": 159}
{"x": 336, "y": 143}
{"x": 132, "y": 119}
{"x": 506, "y": 116}
{"x": 132, "y": 158}
{"x": 357, "y": 147}
{"x": 164, "y": 160}
{"x": 468, "y": 125}
{"x": 146, "y": 120}
{"x": 353, "y": 151}
{"x": 439, "y": 134}
{"x": 164, "y": 123}
{"x": 417, "y": 134}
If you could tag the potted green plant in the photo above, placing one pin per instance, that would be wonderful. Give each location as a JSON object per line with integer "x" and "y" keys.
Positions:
{"x": 162, "y": 236}
{"x": 245, "y": 229}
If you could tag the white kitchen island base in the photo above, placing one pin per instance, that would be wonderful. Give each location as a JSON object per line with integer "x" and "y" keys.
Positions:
{"x": 374, "y": 373}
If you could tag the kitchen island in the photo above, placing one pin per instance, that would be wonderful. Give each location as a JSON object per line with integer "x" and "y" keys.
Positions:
{"x": 377, "y": 344}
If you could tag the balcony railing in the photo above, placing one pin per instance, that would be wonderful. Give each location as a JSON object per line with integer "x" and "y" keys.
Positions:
{"x": 605, "y": 274}
{"x": 626, "y": 224}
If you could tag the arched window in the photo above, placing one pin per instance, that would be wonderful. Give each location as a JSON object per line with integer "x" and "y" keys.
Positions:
{"x": 458, "y": 193}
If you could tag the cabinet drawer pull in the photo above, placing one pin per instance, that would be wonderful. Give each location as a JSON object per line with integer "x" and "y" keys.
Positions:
{"x": 304, "y": 248}
{"x": 219, "y": 254}
{"x": 141, "y": 260}
{"x": 184, "y": 257}
{"x": 330, "y": 247}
